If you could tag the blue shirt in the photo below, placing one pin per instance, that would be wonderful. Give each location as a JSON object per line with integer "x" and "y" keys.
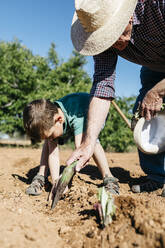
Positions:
{"x": 75, "y": 109}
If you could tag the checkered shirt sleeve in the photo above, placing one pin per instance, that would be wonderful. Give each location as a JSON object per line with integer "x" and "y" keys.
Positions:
{"x": 104, "y": 76}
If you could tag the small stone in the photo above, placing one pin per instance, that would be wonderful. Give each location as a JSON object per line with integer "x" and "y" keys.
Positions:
{"x": 63, "y": 230}
{"x": 90, "y": 234}
{"x": 90, "y": 193}
{"x": 121, "y": 237}
{"x": 124, "y": 245}
{"x": 151, "y": 223}
{"x": 29, "y": 237}
{"x": 20, "y": 210}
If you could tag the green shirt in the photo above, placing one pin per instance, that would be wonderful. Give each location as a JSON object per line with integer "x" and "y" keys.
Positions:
{"x": 75, "y": 109}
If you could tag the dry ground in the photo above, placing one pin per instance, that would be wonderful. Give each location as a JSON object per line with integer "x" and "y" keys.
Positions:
{"x": 27, "y": 221}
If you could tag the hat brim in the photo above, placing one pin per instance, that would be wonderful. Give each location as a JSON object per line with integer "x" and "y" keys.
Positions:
{"x": 149, "y": 136}
{"x": 93, "y": 43}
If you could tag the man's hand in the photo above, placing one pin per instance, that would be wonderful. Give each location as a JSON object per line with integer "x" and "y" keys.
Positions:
{"x": 98, "y": 110}
{"x": 153, "y": 100}
{"x": 82, "y": 154}
{"x": 151, "y": 104}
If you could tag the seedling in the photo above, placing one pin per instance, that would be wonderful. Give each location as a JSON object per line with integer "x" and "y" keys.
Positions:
{"x": 106, "y": 207}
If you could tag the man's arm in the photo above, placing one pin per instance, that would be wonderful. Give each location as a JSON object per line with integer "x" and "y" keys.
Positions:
{"x": 98, "y": 110}
{"x": 102, "y": 93}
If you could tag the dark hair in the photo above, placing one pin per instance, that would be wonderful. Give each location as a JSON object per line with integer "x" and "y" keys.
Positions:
{"x": 38, "y": 116}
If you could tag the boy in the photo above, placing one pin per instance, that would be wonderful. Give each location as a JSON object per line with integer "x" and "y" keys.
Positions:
{"x": 66, "y": 117}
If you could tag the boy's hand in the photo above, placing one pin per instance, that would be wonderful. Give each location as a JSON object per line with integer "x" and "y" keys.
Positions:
{"x": 82, "y": 155}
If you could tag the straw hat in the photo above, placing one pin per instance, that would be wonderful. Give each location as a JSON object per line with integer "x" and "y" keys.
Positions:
{"x": 97, "y": 24}
{"x": 150, "y": 135}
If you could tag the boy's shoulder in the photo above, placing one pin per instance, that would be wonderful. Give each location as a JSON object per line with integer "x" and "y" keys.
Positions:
{"x": 74, "y": 96}
{"x": 75, "y": 107}
{"x": 75, "y": 104}
{"x": 79, "y": 100}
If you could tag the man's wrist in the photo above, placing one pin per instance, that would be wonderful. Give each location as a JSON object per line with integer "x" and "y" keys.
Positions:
{"x": 154, "y": 94}
{"x": 89, "y": 141}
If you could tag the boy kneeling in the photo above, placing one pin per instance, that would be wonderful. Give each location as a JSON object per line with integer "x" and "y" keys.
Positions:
{"x": 52, "y": 121}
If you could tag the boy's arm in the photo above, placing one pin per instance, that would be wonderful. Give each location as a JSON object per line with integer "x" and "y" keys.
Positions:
{"x": 78, "y": 139}
{"x": 53, "y": 160}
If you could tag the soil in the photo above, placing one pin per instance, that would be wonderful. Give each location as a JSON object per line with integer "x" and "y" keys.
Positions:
{"x": 28, "y": 221}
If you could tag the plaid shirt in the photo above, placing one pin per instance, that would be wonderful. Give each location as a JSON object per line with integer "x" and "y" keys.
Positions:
{"x": 146, "y": 47}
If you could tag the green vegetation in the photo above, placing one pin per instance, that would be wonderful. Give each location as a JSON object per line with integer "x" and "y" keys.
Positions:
{"x": 107, "y": 205}
{"x": 63, "y": 182}
{"x": 25, "y": 77}
{"x": 116, "y": 136}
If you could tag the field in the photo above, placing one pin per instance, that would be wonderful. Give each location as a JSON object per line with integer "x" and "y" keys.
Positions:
{"x": 27, "y": 221}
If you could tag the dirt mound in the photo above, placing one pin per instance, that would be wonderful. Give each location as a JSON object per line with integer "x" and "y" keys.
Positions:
{"x": 29, "y": 222}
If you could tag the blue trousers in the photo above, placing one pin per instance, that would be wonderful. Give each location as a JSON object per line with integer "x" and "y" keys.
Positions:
{"x": 152, "y": 165}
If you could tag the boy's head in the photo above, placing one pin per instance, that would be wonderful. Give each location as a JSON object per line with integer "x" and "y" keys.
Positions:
{"x": 43, "y": 119}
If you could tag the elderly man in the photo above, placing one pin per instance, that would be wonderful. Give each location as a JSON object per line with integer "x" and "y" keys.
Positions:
{"x": 134, "y": 30}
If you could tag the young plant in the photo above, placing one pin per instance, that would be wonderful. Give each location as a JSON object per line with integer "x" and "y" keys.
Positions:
{"x": 106, "y": 207}
{"x": 63, "y": 182}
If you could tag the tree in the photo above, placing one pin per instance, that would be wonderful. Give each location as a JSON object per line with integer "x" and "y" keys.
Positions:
{"x": 67, "y": 77}
{"x": 116, "y": 136}
{"x": 25, "y": 77}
